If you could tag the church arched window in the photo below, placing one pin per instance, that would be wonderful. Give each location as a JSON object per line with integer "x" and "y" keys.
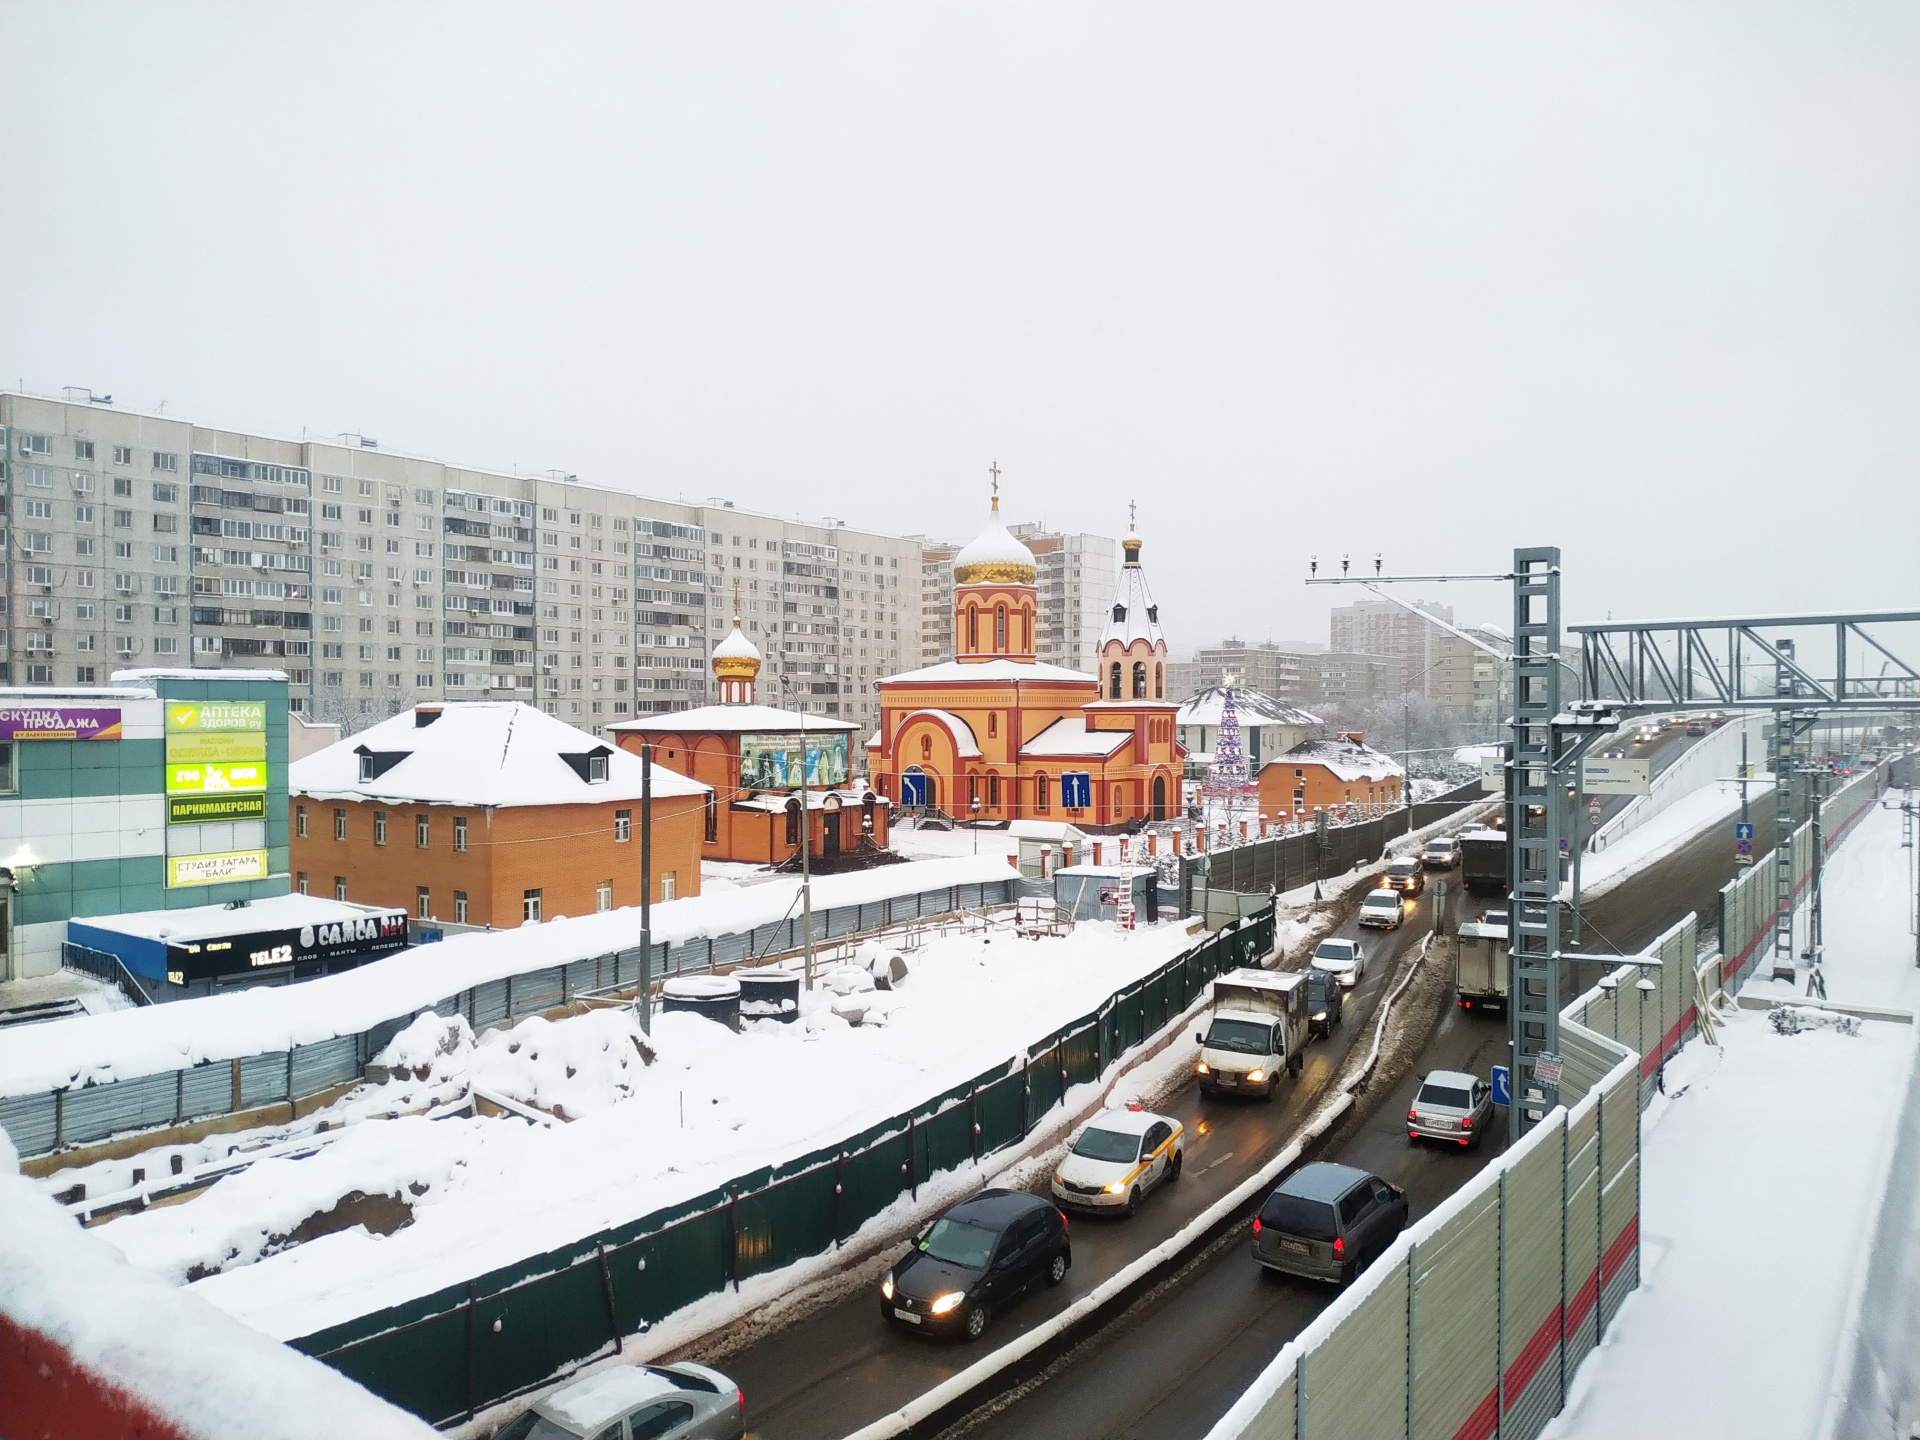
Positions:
{"x": 1113, "y": 682}
{"x": 926, "y": 747}
{"x": 1159, "y": 682}
{"x": 993, "y": 723}
{"x": 973, "y": 628}
{"x": 1000, "y": 630}
{"x": 1139, "y": 679}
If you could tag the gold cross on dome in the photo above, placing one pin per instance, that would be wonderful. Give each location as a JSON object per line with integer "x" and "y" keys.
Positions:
{"x": 994, "y": 471}
{"x": 736, "y": 602}
{"x": 1133, "y": 523}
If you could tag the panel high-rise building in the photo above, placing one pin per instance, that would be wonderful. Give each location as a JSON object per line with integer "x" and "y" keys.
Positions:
{"x": 377, "y": 579}
{"x": 1075, "y": 576}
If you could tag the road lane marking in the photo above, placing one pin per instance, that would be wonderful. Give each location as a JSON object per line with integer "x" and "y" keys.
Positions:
{"x": 1221, "y": 1161}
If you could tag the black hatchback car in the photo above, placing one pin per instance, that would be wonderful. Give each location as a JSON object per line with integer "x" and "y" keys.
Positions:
{"x": 1325, "y": 999}
{"x": 1327, "y": 1221}
{"x": 975, "y": 1259}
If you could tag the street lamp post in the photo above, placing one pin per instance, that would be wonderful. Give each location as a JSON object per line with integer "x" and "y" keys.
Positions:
{"x": 646, "y": 889}
{"x": 973, "y": 808}
{"x": 806, "y": 847}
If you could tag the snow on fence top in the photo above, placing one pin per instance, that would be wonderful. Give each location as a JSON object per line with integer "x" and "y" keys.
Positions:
{"x": 160, "y": 1345}
{"x": 125, "y": 1044}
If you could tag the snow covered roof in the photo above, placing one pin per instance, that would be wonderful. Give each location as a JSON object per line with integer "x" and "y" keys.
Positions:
{"x": 950, "y": 670}
{"x": 964, "y": 743}
{"x": 205, "y": 922}
{"x": 1253, "y": 706}
{"x": 1068, "y": 737}
{"x": 477, "y": 752}
{"x": 994, "y": 554}
{"x": 1134, "y": 616}
{"x": 211, "y": 672}
{"x": 731, "y": 718}
{"x": 736, "y": 646}
{"x": 1058, "y": 831}
{"x": 1346, "y": 758}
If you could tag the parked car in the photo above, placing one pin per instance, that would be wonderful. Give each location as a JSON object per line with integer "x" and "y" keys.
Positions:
{"x": 1441, "y": 853}
{"x": 977, "y": 1258}
{"x": 1453, "y": 1106}
{"x": 1345, "y": 960}
{"x": 1406, "y": 876}
{"x": 1326, "y": 999}
{"x": 655, "y": 1402}
{"x": 1381, "y": 908}
{"x": 1118, "y": 1158}
{"x": 1327, "y": 1222}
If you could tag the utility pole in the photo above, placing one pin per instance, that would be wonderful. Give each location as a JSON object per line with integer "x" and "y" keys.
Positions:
{"x": 806, "y": 847}
{"x": 646, "y": 889}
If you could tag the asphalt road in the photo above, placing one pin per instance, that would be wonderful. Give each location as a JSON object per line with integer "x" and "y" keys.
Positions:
{"x": 843, "y": 1366}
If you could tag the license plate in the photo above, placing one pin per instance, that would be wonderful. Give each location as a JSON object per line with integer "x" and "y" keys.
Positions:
{"x": 1298, "y": 1247}
{"x": 906, "y": 1315}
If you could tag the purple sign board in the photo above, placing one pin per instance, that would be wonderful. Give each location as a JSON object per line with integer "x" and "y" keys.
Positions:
{"x": 59, "y": 722}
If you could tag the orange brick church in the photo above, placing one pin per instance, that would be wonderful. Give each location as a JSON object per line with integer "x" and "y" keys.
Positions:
{"x": 995, "y": 734}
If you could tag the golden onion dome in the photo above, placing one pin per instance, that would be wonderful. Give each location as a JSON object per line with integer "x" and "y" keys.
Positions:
{"x": 995, "y": 556}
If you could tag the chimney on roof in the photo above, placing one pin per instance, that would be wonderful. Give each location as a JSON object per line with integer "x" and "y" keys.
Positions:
{"x": 1353, "y": 737}
{"x": 425, "y": 715}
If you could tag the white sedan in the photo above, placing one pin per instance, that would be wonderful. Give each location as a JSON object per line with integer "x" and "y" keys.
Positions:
{"x": 1117, "y": 1158}
{"x": 1382, "y": 908}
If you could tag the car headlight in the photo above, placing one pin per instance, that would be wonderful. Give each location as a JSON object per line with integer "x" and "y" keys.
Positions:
{"x": 947, "y": 1302}
{"x": 886, "y": 1288}
{"x": 1321, "y": 1016}
{"x": 1203, "y": 1068}
{"x": 1254, "y": 1077}
{"x": 1117, "y": 1187}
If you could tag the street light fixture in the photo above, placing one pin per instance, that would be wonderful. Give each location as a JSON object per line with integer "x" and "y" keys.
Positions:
{"x": 974, "y": 808}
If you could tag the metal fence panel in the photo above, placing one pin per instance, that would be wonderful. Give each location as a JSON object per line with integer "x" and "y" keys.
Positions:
{"x": 1002, "y": 1107}
{"x": 29, "y": 1121}
{"x": 1345, "y": 1392}
{"x": 669, "y": 1269}
{"x": 323, "y": 1065}
{"x": 207, "y": 1089}
{"x": 1530, "y": 1278}
{"x": 1583, "y": 1235}
{"x": 787, "y": 1221}
{"x": 1276, "y": 1420}
{"x": 945, "y": 1139}
{"x": 263, "y": 1080}
{"x": 1454, "y": 1319}
{"x": 420, "y": 1368}
{"x": 93, "y": 1112}
{"x": 872, "y": 1180}
{"x": 543, "y": 1325}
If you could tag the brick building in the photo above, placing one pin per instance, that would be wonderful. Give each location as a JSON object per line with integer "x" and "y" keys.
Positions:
{"x": 488, "y": 813}
{"x": 751, "y": 757}
{"x": 1326, "y": 774}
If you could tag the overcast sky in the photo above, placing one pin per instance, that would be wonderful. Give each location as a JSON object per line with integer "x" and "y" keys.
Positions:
{"x": 1435, "y": 279}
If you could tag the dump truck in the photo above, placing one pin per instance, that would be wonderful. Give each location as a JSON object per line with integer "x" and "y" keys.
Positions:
{"x": 1483, "y": 860}
{"x": 1480, "y": 979}
{"x": 1259, "y": 1028}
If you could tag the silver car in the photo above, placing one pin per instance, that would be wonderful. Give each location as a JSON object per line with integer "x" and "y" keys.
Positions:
{"x": 1382, "y": 908}
{"x": 638, "y": 1402}
{"x": 1453, "y": 1106}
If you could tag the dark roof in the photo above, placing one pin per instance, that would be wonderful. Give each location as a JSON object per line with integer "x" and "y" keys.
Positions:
{"x": 996, "y": 1207}
{"x": 1322, "y": 1180}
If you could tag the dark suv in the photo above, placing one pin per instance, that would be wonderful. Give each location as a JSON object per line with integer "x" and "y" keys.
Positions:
{"x": 1409, "y": 877}
{"x": 1327, "y": 1221}
{"x": 976, "y": 1258}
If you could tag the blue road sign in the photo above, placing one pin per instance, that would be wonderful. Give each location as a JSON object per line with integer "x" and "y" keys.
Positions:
{"x": 1076, "y": 790}
{"x": 1502, "y": 1086}
{"x": 1742, "y": 830}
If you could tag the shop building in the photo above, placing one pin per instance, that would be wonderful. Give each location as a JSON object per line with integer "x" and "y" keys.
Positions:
{"x": 1327, "y": 774}
{"x": 163, "y": 790}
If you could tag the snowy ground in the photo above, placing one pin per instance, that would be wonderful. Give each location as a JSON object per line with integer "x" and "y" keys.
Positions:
{"x": 1708, "y": 806}
{"x": 483, "y": 1192}
{"x": 1765, "y": 1164}
{"x": 917, "y": 844}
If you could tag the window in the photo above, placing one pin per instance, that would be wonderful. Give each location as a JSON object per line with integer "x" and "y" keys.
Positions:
{"x": 1113, "y": 682}
{"x": 420, "y": 831}
{"x": 423, "y": 902}
{"x": 300, "y": 882}
{"x": 1139, "y": 679}
{"x": 164, "y": 461}
{"x": 122, "y": 486}
{"x": 1040, "y": 792}
{"x": 669, "y": 884}
{"x": 459, "y": 832}
{"x": 603, "y": 895}
{"x": 713, "y": 818}
{"x": 530, "y": 906}
{"x": 622, "y": 825}
{"x": 662, "y": 1418}
{"x": 596, "y": 769}
{"x": 339, "y": 887}
{"x": 165, "y": 493}
{"x": 1000, "y": 628}
{"x": 123, "y": 454}
{"x": 300, "y": 821}
{"x": 459, "y": 907}
{"x": 6, "y": 767}
{"x": 379, "y": 827}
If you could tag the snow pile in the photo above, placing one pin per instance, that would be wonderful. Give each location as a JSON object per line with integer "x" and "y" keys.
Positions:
{"x": 713, "y": 1105}
{"x": 175, "y": 1354}
{"x": 1797, "y": 1019}
{"x": 160, "y": 1038}
{"x": 1764, "y": 1168}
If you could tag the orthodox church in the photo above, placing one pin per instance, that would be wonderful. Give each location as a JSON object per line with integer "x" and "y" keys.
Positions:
{"x": 995, "y": 734}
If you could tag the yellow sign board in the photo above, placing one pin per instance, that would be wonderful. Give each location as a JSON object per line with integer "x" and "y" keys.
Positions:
{"x": 200, "y": 716}
{"x": 219, "y": 747}
{"x": 216, "y": 869}
{"x": 205, "y": 777}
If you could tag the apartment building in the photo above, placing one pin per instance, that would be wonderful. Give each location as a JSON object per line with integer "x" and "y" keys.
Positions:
{"x": 378, "y": 579}
{"x": 1074, "y": 575}
{"x": 831, "y": 608}
{"x": 1270, "y": 667}
{"x": 1334, "y": 678}
{"x": 1380, "y": 627}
